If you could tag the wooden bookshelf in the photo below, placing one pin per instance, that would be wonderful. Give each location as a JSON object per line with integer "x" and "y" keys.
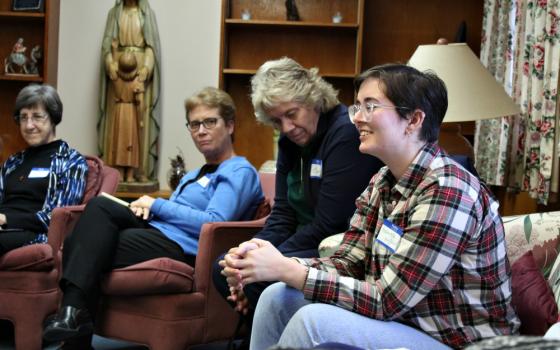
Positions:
{"x": 36, "y": 28}
{"x": 314, "y": 41}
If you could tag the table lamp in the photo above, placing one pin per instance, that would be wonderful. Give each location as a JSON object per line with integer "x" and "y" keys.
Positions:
{"x": 473, "y": 93}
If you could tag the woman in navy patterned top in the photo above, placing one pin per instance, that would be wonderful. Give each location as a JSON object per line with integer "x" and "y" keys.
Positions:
{"x": 47, "y": 174}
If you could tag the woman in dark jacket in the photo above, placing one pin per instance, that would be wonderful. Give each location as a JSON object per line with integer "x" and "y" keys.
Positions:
{"x": 319, "y": 172}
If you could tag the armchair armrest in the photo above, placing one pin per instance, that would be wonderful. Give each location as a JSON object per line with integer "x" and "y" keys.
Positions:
{"x": 217, "y": 238}
{"x": 63, "y": 220}
{"x": 110, "y": 180}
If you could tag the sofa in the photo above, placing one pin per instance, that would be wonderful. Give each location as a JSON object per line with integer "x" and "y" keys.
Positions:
{"x": 532, "y": 247}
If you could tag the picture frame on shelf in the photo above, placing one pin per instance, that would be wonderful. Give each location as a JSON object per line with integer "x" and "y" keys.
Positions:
{"x": 28, "y": 5}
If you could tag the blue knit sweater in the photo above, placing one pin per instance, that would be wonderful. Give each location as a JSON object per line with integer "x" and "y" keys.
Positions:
{"x": 232, "y": 192}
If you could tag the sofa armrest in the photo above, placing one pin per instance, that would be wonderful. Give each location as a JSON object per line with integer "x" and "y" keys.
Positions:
{"x": 217, "y": 238}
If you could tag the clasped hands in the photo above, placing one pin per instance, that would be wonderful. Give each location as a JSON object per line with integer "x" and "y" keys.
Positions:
{"x": 141, "y": 207}
{"x": 252, "y": 261}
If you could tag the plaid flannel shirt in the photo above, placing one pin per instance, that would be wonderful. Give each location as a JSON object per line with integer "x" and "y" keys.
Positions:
{"x": 67, "y": 182}
{"x": 449, "y": 275}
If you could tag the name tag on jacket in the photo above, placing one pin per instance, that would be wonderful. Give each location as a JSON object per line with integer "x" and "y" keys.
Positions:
{"x": 38, "y": 173}
{"x": 316, "y": 169}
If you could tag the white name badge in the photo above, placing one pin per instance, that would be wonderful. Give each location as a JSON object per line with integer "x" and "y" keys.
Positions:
{"x": 203, "y": 181}
{"x": 38, "y": 173}
{"x": 316, "y": 169}
{"x": 389, "y": 236}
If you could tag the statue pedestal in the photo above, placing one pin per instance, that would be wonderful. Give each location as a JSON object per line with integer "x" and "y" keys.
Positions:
{"x": 138, "y": 187}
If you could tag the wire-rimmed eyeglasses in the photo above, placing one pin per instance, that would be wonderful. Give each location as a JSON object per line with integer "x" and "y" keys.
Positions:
{"x": 209, "y": 123}
{"x": 370, "y": 107}
{"x": 35, "y": 118}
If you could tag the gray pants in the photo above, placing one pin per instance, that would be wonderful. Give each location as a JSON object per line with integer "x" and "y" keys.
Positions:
{"x": 284, "y": 318}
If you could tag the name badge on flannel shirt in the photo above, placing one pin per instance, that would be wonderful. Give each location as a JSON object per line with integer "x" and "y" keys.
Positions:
{"x": 389, "y": 236}
{"x": 203, "y": 181}
{"x": 37, "y": 173}
{"x": 316, "y": 169}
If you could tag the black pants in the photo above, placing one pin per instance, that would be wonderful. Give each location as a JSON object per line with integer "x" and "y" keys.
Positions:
{"x": 108, "y": 236}
{"x": 13, "y": 240}
{"x": 252, "y": 291}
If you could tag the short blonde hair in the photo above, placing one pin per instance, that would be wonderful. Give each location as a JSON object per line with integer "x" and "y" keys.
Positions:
{"x": 285, "y": 80}
{"x": 213, "y": 98}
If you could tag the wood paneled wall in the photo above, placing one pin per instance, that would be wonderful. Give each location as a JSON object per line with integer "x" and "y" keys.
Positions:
{"x": 393, "y": 29}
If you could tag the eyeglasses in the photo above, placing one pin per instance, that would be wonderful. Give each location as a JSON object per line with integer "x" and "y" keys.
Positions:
{"x": 209, "y": 123}
{"x": 369, "y": 108}
{"x": 36, "y": 118}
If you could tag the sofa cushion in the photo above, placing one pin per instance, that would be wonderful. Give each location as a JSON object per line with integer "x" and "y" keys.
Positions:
{"x": 537, "y": 232}
{"x": 156, "y": 276}
{"x": 35, "y": 257}
{"x": 515, "y": 342}
{"x": 532, "y": 297}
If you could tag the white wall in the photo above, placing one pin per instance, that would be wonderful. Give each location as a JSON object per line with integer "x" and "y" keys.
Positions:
{"x": 189, "y": 34}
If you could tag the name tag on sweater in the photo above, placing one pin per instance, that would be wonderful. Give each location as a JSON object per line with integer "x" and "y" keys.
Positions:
{"x": 203, "y": 181}
{"x": 38, "y": 173}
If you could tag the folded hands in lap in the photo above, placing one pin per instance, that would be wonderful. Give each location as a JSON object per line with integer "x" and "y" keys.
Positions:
{"x": 254, "y": 261}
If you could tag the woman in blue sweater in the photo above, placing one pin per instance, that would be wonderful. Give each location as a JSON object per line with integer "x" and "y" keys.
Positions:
{"x": 109, "y": 235}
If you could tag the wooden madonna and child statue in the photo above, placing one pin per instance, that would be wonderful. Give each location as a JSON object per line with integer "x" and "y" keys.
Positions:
{"x": 129, "y": 117}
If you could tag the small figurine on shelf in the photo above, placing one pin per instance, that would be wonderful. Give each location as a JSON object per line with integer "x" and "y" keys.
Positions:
{"x": 15, "y": 63}
{"x": 246, "y": 15}
{"x": 292, "y": 13}
{"x": 32, "y": 66}
{"x": 337, "y": 17}
{"x": 177, "y": 170}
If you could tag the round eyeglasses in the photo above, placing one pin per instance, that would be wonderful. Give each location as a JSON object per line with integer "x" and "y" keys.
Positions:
{"x": 209, "y": 123}
{"x": 367, "y": 112}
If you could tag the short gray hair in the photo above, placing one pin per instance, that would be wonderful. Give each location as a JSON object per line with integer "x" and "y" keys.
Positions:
{"x": 285, "y": 80}
{"x": 39, "y": 95}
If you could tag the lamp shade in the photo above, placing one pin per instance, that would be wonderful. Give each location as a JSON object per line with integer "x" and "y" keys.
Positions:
{"x": 473, "y": 93}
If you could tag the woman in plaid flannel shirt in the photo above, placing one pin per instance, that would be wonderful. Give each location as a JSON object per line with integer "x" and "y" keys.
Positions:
{"x": 423, "y": 264}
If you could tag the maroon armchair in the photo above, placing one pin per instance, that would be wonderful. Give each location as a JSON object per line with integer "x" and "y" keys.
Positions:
{"x": 29, "y": 275}
{"x": 166, "y": 304}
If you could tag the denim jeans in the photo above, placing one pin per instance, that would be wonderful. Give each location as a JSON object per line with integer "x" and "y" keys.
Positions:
{"x": 284, "y": 318}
